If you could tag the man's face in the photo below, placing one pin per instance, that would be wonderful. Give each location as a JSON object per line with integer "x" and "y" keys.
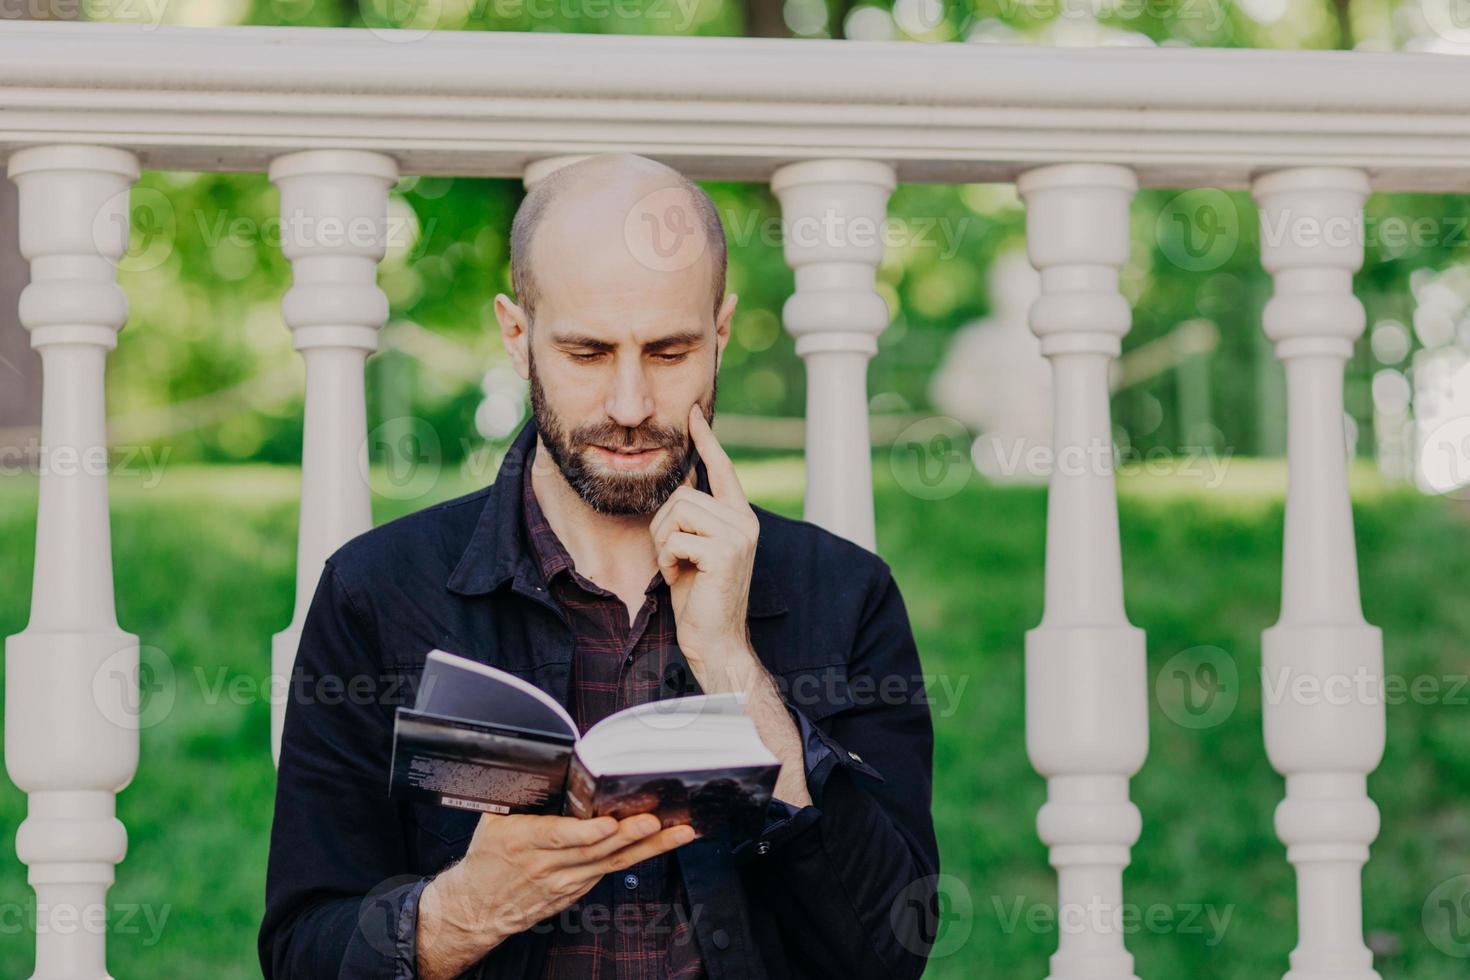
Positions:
{"x": 615, "y": 468}
{"x": 616, "y": 356}
{"x": 624, "y": 342}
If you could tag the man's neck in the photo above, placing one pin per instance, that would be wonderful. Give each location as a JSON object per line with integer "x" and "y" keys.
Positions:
{"x": 613, "y": 550}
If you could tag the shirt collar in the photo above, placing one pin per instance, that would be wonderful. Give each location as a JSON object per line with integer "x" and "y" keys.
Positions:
{"x": 499, "y": 549}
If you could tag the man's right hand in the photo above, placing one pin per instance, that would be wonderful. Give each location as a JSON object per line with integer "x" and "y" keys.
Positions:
{"x": 520, "y": 870}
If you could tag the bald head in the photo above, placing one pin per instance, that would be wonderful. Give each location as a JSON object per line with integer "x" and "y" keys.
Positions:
{"x": 615, "y": 216}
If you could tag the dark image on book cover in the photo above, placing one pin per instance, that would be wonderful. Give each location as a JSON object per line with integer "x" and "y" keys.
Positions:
{"x": 482, "y": 739}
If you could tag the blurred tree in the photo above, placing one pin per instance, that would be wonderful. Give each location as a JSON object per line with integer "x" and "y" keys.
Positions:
{"x": 205, "y": 275}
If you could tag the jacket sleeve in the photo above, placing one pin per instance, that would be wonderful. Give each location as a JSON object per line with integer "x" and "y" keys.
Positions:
{"x": 854, "y": 874}
{"x": 337, "y": 901}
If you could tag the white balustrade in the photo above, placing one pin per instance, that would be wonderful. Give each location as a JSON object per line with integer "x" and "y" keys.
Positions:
{"x": 333, "y": 229}
{"x": 1322, "y": 664}
{"x": 71, "y": 677}
{"x": 832, "y": 220}
{"x": 484, "y": 106}
{"x": 537, "y": 170}
{"x": 1086, "y": 683}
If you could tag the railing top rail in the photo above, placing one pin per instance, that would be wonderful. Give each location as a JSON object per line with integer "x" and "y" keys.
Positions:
{"x": 488, "y": 103}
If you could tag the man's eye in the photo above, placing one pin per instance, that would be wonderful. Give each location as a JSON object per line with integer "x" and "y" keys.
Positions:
{"x": 584, "y": 357}
{"x": 672, "y": 358}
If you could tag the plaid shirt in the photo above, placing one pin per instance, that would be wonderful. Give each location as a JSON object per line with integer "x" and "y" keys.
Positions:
{"x": 634, "y": 925}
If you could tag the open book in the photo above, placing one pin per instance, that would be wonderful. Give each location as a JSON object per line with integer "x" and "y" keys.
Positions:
{"x": 478, "y": 738}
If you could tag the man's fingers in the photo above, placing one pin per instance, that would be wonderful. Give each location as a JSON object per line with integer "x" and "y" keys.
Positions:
{"x": 659, "y": 843}
{"x": 694, "y": 516}
{"x": 631, "y": 830}
{"x": 556, "y": 833}
{"x": 722, "y": 479}
{"x": 683, "y": 546}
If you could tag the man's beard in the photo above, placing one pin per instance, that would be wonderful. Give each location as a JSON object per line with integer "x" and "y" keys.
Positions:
{"x": 616, "y": 493}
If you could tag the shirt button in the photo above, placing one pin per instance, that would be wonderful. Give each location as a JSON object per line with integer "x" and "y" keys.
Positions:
{"x": 763, "y": 848}
{"x": 855, "y": 757}
{"x": 721, "y": 939}
{"x": 630, "y": 881}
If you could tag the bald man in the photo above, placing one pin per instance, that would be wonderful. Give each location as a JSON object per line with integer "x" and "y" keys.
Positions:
{"x": 614, "y": 561}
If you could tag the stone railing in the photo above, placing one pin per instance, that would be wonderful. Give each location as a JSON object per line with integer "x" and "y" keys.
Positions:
{"x": 335, "y": 116}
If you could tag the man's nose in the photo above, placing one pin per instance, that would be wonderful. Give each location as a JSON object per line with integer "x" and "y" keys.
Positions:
{"x": 630, "y": 402}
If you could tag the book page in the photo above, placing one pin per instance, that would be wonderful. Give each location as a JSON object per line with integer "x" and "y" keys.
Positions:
{"x": 457, "y": 687}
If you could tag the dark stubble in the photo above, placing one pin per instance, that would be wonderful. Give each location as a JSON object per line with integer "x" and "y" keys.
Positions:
{"x": 616, "y": 493}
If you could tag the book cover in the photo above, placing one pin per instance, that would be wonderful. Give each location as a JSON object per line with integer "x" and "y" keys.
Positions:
{"x": 481, "y": 739}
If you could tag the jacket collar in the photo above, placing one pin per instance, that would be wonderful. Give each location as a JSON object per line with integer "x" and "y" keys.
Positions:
{"x": 498, "y": 551}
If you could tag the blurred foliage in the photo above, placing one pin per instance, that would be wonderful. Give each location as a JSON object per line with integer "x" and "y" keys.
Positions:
{"x": 205, "y": 275}
{"x": 1202, "y": 566}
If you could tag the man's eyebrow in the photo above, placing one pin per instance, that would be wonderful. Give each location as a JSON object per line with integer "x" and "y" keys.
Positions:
{"x": 584, "y": 340}
{"x": 682, "y": 338}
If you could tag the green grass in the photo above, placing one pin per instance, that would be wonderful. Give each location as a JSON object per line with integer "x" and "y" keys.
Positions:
{"x": 204, "y": 572}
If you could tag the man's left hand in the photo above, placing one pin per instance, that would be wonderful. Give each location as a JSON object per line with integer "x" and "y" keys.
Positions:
{"x": 706, "y": 551}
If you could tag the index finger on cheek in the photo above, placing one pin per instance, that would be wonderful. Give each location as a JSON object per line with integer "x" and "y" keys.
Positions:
{"x": 722, "y": 479}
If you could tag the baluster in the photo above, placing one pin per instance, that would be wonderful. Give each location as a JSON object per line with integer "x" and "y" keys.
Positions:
{"x": 333, "y": 230}
{"x": 1086, "y": 684}
{"x": 832, "y": 218}
{"x": 1322, "y": 664}
{"x": 71, "y": 677}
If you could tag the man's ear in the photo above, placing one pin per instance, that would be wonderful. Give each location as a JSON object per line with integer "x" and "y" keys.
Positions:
{"x": 515, "y": 333}
{"x": 722, "y": 326}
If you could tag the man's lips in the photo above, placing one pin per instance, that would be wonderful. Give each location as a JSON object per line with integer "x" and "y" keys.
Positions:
{"x": 625, "y": 458}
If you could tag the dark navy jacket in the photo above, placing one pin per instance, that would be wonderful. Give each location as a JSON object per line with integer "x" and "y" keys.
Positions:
{"x": 844, "y": 888}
